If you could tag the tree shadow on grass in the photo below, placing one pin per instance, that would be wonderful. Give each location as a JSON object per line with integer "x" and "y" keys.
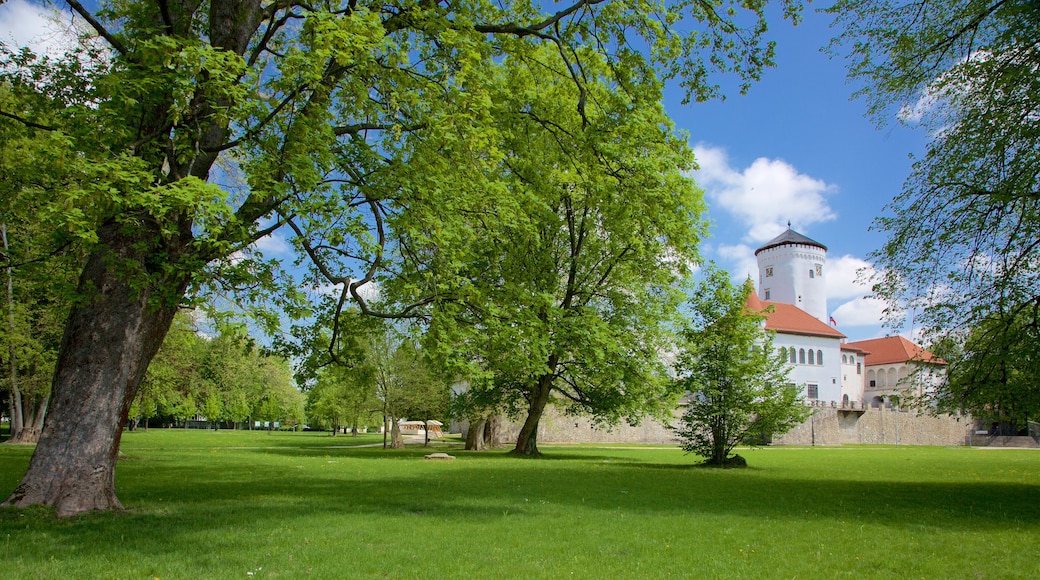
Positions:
{"x": 173, "y": 498}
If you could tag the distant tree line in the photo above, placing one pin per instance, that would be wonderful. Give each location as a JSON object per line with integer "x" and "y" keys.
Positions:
{"x": 226, "y": 380}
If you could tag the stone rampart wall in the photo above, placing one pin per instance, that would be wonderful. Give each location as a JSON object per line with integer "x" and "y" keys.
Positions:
{"x": 826, "y": 426}
{"x": 877, "y": 426}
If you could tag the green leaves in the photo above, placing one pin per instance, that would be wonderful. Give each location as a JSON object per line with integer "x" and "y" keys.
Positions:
{"x": 567, "y": 268}
{"x": 961, "y": 254}
{"x": 736, "y": 382}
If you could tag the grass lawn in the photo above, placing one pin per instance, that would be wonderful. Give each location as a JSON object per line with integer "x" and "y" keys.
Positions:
{"x": 253, "y": 505}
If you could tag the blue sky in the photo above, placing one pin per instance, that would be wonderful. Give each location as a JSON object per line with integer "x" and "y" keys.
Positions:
{"x": 797, "y": 148}
{"x": 794, "y": 148}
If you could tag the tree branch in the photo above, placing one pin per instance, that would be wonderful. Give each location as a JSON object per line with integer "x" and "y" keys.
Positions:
{"x": 97, "y": 26}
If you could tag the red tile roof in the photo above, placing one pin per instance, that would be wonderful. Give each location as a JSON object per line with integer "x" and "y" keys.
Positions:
{"x": 894, "y": 349}
{"x": 789, "y": 319}
{"x": 848, "y": 347}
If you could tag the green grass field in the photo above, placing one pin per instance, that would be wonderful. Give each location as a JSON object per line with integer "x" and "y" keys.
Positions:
{"x": 253, "y": 505}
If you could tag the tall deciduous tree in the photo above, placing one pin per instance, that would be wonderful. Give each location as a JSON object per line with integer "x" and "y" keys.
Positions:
{"x": 735, "y": 381}
{"x": 992, "y": 372}
{"x": 172, "y": 385}
{"x": 962, "y": 250}
{"x": 38, "y": 264}
{"x": 567, "y": 298}
{"x": 321, "y": 106}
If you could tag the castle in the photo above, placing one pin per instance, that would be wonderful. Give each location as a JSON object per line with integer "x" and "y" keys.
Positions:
{"x": 854, "y": 387}
{"x": 792, "y": 278}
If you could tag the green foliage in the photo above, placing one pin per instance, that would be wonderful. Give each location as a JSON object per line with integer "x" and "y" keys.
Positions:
{"x": 566, "y": 281}
{"x": 993, "y": 372}
{"x": 37, "y": 263}
{"x": 201, "y": 129}
{"x": 365, "y": 131}
{"x": 343, "y": 396}
{"x": 962, "y": 252}
{"x": 736, "y": 382}
{"x": 376, "y": 371}
{"x": 224, "y": 379}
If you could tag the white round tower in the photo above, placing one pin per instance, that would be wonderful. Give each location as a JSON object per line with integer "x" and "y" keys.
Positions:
{"x": 791, "y": 270}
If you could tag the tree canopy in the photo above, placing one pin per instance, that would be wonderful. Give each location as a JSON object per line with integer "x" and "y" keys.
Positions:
{"x": 352, "y": 125}
{"x": 736, "y": 382}
{"x": 962, "y": 253}
{"x": 567, "y": 294}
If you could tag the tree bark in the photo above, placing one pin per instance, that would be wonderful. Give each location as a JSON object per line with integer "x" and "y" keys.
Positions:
{"x": 491, "y": 429}
{"x": 17, "y": 414}
{"x": 475, "y": 434}
{"x": 396, "y": 442}
{"x": 111, "y": 335}
{"x": 527, "y": 440}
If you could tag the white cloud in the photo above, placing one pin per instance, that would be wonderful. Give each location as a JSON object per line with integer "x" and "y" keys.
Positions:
{"x": 368, "y": 291}
{"x": 848, "y": 277}
{"x": 763, "y": 196}
{"x": 273, "y": 245}
{"x": 741, "y": 259}
{"x": 859, "y": 312}
{"x": 45, "y": 30}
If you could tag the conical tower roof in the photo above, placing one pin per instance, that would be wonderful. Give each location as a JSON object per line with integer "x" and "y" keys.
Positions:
{"x": 790, "y": 237}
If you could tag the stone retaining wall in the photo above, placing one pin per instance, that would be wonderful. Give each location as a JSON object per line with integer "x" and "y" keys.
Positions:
{"x": 826, "y": 426}
{"x": 877, "y": 426}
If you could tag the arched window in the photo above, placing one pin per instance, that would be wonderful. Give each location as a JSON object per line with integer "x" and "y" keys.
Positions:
{"x": 783, "y": 353}
{"x": 812, "y": 357}
{"x": 791, "y": 354}
{"x": 801, "y": 356}
{"x": 819, "y": 357}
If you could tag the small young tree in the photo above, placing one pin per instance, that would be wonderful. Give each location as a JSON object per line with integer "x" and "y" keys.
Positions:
{"x": 737, "y": 383}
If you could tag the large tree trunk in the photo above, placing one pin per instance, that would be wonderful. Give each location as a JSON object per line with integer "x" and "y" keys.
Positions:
{"x": 111, "y": 335}
{"x": 527, "y": 440}
{"x": 17, "y": 416}
{"x": 491, "y": 429}
{"x": 475, "y": 434}
{"x": 396, "y": 442}
{"x": 30, "y": 433}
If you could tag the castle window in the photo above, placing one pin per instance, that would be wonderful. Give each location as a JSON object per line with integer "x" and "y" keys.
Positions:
{"x": 819, "y": 357}
{"x": 819, "y": 269}
{"x": 812, "y": 357}
{"x": 769, "y": 271}
{"x": 813, "y": 391}
{"x": 767, "y": 293}
{"x": 801, "y": 356}
{"x": 812, "y": 274}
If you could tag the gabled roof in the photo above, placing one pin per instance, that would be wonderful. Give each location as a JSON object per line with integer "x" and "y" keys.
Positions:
{"x": 790, "y": 237}
{"x": 789, "y": 319}
{"x": 848, "y": 347}
{"x": 894, "y": 349}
